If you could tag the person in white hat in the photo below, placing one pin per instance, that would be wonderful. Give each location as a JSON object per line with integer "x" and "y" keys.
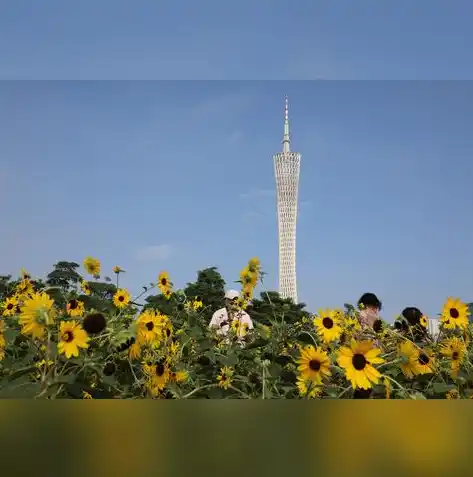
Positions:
{"x": 223, "y": 318}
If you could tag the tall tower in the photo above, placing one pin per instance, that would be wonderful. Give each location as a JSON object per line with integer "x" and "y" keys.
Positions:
{"x": 286, "y": 168}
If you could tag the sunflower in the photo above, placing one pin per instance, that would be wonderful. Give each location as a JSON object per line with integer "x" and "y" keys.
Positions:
{"x": 247, "y": 293}
{"x": 121, "y": 298}
{"x": 409, "y": 354}
{"x": 307, "y": 388}
{"x": 117, "y": 270}
{"x": 163, "y": 282}
{"x": 94, "y": 323}
{"x": 174, "y": 351}
{"x": 25, "y": 287}
{"x": 454, "y": 349}
{"x": 254, "y": 265}
{"x": 351, "y": 324}
{"x": 248, "y": 278}
{"x": 425, "y": 362}
{"x": 454, "y": 314}
{"x": 167, "y": 327}
{"x": 85, "y": 287}
{"x": 357, "y": 362}
{"x": 9, "y": 308}
{"x": 35, "y": 313}
{"x": 24, "y": 274}
{"x": 197, "y": 304}
{"x": 239, "y": 304}
{"x": 75, "y": 307}
{"x": 424, "y": 322}
{"x": 135, "y": 350}
{"x": 158, "y": 375}
{"x": 92, "y": 266}
{"x": 314, "y": 364}
{"x": 150, "y": 326}
{"x": 179, "y": 376}
{"x": 453, "y": 394}
{"x": 71, "y": 338}
{"x": 328, "y": 325}
{"x": 224, "y": 379}
{"x": 167, "y": 293}
{"x": 239, "y": 328}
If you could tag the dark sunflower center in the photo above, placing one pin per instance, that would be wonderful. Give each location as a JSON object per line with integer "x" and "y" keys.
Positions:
{"x": 168, "y": 332}
{"x": 68, "y": 336}
{"x": 314, "y": 364}
{"x": 164, "y": 282}
{"x": 455, "y": 355}
{"x": 121, "y": 298}
{"x": 424, "y": 359}
{"x": 327, "y": 322}
{"x": 150, "y": 326}
{"x": 359, "y": 362}
{"x": 10, "y": 306}
{"x": 73, "y": 304}
{"x": 159, "y": 369}
{"x": 454, "y": 313}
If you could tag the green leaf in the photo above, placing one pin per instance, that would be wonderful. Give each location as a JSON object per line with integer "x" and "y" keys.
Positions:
{"x": 10, "y": 335}
{"x": 196, "y": 333}
{"x": 274, "y": 370}
{"x": 211, "y": 355}
{"x": 257, "y": 343}
{"x": 109, "y": 380}
{"x": 18, "y": 389}
{"x": 230, "y": 360}
{"x": 442, "y": 388}
{"x": 205, "y": 345}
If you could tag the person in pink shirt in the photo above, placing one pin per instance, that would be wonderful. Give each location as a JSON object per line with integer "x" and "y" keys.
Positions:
{"x": 370, "y": 308}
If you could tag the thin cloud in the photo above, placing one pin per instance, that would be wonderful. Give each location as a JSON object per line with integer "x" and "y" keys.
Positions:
{"x": 154, "y": 252}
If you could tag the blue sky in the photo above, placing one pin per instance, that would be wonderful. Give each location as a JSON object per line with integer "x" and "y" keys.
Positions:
{"x": 179, "y": 176}
{"x": 248, "y": 39}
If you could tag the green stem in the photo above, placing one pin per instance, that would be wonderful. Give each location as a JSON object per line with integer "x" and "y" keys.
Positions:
{"x": 264, "y": 383}
{"x": 402, "y": 388}
{"x": 311, "y": 336}
{"x": 198, "y": 389}
{"x": 344, "y": 392}
{"x": 233, "y": 388}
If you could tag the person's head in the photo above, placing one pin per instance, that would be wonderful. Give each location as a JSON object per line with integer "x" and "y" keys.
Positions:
{"x": 231, "y": 297}
{"x": 370, "y": 301}
{"x": 412, "y": 315}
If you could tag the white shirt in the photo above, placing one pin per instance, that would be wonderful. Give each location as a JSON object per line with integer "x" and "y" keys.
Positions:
{"x": 221, "y": 316}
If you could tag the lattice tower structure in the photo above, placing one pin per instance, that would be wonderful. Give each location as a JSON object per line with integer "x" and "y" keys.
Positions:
{"x": 287, "y": 169}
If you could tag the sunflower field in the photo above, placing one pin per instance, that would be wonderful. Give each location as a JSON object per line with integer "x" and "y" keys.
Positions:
{"x": 77, "y": 336}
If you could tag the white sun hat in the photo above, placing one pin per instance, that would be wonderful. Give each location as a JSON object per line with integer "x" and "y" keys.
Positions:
{"x": 231, "y": 294}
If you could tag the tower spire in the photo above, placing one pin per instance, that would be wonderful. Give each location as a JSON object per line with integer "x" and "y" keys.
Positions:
{"x": 286, "y": 140}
